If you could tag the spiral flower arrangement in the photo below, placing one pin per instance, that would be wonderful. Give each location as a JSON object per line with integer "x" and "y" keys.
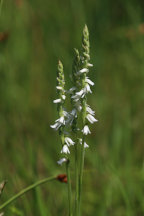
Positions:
{"x": 73, "y": 126}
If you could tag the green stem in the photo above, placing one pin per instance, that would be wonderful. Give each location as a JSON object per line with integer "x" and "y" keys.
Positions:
{"x": 82, "y": 149}
{"x": 76, "y": 179}
{"x": 25, "y": 190}
{"x": 69, "y": 188}
{"x": 81, "y": 175}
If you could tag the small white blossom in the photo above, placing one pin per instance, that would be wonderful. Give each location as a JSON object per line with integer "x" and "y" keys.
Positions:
{"x": 63, "y": 97}
{"x": 87, "y": 89}
{"x": 90, "y": 65}
{"x": 78, "y": 95}
{"x": 56, "y": 126}
{"x": 91, "y": 119}
{"x": 84, "y": 70}
{"x": 86, "y": 130}
{"x": 57, "y": 101}
{"x": 58, "y": 123}
{"x": 65, "y": 150}
{"x": 89, "y": 110}
{"x": 61, "y": 161}
{"x": 85, "y": 144}
{"x": 61, "y": 120}
{"x": 89, "y": 81}
{"x": 59, "y": 87}
{"x": 69, "y": 141}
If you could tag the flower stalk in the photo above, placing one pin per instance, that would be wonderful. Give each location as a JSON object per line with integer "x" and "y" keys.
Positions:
{"x": 77, "y": 121}
{"x": 60, "y": 125}
{"x": 85, "y": 83}
{"x": 75, "y": 79}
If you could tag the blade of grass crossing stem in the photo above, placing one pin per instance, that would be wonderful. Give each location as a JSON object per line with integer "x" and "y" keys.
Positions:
{"x": 25, "y": 190}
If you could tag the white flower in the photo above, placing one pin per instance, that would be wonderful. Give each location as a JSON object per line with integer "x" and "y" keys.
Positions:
{"x": 69, "y": 141}
{"x": 89, "y": 110}
{"x": 85, "y": 144}
{"x": 89, "y": 81}
{"x": 91, "y": 119}
{"x": 86, "y": 130}
{"x": 59, "y": 87}
{"x": 63, "y": 97}
{"x": 61, "y": 161}
{"x": 61, "y": 120}
{"x": 84, "y": 70}
{"x": 65, "y": 150}
{"x": 56, "y": 126}
{"x": 78, "y": 95}
{"x": 87, "y": 89}
{"x": 57, "y": 101}
{"x": 90, "y": 65}
{"x": 58, "y": 123}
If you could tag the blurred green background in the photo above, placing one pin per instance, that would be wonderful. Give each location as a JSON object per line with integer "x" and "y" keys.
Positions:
{"x": 34, "y": 35}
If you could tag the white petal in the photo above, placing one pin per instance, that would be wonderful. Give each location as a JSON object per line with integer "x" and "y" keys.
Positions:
{"x": 87, "y": 89}
{"x": 80, "y": 93}
{"x": 65, "y": 150}
{"x": 77, "y": 96}
{"x": 86, "y": 130}
{"x": 63, "y": 97}
{"x": 57, "y": 101}
{"x": 56, "y": 126}
{"x": 59, "y": 87}
{"x": 61, "y": 120}
{"x": 89, "y": 110}
{"x": 91, "y": 119}
{"x": 69, "y": 141}
{"x": 86, "y": 145}
{"x": 84, "y": 70}
{"x": 90, "y": 65}
{"x": 89, "y": 81}
{"x": 61, "y": 161}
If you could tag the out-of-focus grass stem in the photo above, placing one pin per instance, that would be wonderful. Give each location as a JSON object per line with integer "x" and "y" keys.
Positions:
{"x": 22, "y": 192}
{"x": 76, "y": 178}
{"x": 69, "y": 187}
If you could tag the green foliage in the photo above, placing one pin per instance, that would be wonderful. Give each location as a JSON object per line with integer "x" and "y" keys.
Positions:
{"x": 36, "y": 34}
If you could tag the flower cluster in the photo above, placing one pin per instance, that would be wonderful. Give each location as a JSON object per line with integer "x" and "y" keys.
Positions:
{"x": 82, "y": 85}
{"x": 75, "y": 122}
{"x": 78, "y": 93}
{"x": 63, "y": 115}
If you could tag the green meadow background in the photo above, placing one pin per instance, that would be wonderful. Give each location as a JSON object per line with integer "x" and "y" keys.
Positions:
{"x": 34, "y": 35}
